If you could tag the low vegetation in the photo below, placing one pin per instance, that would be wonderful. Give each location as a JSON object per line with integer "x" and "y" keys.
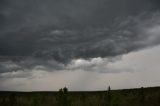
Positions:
{"x": 127, "y": 97}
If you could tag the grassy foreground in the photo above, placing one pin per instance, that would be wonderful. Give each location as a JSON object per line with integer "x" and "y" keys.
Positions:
{"x": 127, "y": 97}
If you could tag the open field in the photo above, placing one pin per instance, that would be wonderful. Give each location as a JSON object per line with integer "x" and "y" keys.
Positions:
{"x": 126, "y": 97}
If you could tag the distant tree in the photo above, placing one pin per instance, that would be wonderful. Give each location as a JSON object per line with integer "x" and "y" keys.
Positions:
{"x": 60, "y": 92}
{"x": 63, "y": 97}
{"x": 109, "y": 96}
{"x": 109, "y": 89}
{"x": 60, "y": 97}
{"x": 65, "y": 90}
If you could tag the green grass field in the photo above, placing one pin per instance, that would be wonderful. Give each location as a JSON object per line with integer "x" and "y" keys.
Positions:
{"x": 126, "y": 97}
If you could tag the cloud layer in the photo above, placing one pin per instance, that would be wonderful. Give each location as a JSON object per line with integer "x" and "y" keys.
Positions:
{"x": 53, "y": 34}
{"x": 135, "y": 69}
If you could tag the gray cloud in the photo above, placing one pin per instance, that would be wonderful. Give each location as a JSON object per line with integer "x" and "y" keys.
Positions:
{"x": 101, "y": 65}
{"x": 53, "y": 33}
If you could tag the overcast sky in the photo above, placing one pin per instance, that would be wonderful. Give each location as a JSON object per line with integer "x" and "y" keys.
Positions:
{"x": 81, "y": 44}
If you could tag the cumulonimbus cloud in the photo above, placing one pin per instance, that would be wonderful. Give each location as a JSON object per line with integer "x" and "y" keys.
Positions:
{"x": 53, "y": 34}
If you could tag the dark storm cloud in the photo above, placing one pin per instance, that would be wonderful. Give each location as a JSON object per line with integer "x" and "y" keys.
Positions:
{"x": 62, "y": 30}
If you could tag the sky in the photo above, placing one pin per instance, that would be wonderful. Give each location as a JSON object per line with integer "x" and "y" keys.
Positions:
{"x": 81, "y": 44}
